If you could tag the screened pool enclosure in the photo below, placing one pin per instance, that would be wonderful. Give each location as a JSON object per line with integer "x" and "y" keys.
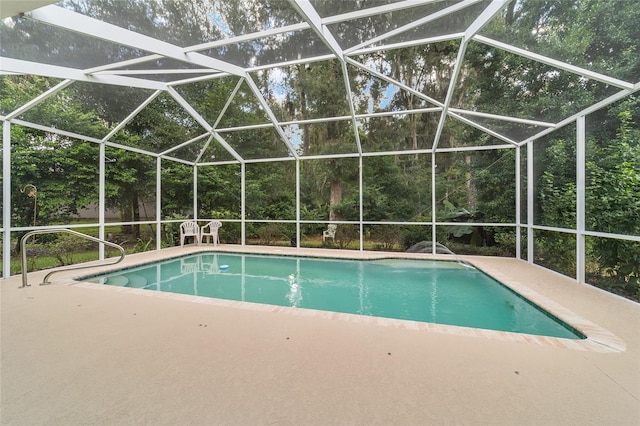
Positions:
{"x": 503, "y": 128}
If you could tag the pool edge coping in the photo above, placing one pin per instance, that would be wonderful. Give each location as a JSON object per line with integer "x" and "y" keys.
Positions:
{"x": 597, "y": 338}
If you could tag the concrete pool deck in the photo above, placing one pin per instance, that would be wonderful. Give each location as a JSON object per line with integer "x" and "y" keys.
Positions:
{"x": 89, "y": 354}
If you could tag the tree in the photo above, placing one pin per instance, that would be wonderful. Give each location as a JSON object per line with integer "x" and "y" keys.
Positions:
{"x": 319, "y": 93}
{"x": 613, "y": 200}
{"x": 67, "y": 182}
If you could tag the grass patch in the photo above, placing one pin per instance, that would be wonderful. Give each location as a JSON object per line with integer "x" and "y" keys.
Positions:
{"x": 46, "y": 261}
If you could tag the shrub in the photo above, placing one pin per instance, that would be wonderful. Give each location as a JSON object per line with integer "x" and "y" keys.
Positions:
{"x": 345, "y": 235}
{"x": 231, "y": 232}
{"x": 412, "y": 235}
{"x": 386, "y": 237}
{"x": 171, "y": 231}
{"x": 268, "y": 233}
{"x": 65, "y": 246}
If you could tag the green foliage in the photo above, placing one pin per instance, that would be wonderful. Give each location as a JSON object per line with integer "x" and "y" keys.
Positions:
{"x": 231, "y": 232}
{"x": 494, "y": 185}
{"x": 130, "y": 181}
{"x": 557, "y": 202}
{"x": 64, "y": 247}
{"x": 557, "y": 251}
{"x": 506, "y": 240}
{"x": 269, "y": 233}
{"x": 270, "y": 191}
{"x": 68, "y": 182}
{"x": 414, "y": 234}
{"x": 345, "y": 235}
{"x": 613, "y": 183}
{"x": 386, "y": 237}
{"x": 142, "y": 246}
{"x": 348, "y": 208}
{"x": 171, "y": 230}
{"x": 219, "y": 189}
{"x": 613, "y": 203}
{"x": 387, "y": 177}
{"x": 177, "y": 193}
{"x": 470, "y": 234}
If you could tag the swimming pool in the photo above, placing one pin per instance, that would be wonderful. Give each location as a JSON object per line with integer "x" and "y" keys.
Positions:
{"x": 434, "y": 291}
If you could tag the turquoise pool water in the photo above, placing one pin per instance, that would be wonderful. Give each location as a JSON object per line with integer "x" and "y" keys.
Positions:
{"x": 440, "y": 292}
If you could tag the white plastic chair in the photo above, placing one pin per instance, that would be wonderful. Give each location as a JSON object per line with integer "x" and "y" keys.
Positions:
{"x": 330, "y": 232}
{"x": 212, "y": 233}
{"x": 189, "y": 229}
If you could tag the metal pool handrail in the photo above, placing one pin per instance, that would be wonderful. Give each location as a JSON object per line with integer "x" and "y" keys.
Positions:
{"x": 23, "y": 249}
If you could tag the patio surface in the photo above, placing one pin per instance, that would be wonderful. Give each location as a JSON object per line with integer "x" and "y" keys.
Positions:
{"x": 76, "y": 354}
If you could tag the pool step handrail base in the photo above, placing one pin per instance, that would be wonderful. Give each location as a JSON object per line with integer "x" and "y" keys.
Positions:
{"x": 23, "y": 249}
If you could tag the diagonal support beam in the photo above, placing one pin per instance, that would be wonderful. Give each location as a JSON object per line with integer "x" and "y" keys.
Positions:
{"x": 450, "y": 91}
{"x": 183, "y": 144}
{"x": 482, "y": 128}
{"x": 19, "y": 66}
{"x": 472, "y": 30}
{"x": 494, "y": 8}
{"x": 435, "y": 16}
{"x": 256, "y": 92}
{"x": 67, "y": 19}
{"x": 311, "y": 15}
{"x": 130, "y": 117}
{"x": 555, "y": 63}
{"x": 122, "y": 64}
{"x": 392, "y": 81}
{"x": 204, "y": 149}
{"x": 193, "y": 113}
{"x": 352, "y": 111}
{"x": 228, "y": 103}
{"x": 35, "y": 101}
{"x": 599, "y": 105}
{"x": 406, "y": 44}
{"x": 376, "y": 10}
{"x": 248, "y": 37}
{"x": 502, "y": 117}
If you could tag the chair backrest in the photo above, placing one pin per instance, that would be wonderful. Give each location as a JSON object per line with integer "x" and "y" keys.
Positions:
{"x": 332, "y": 228}
{"x": 214, "y": 224}
{"x": 189, "y": 228}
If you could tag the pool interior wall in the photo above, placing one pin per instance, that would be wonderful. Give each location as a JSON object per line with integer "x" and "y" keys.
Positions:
{"x": 435, "y": 291}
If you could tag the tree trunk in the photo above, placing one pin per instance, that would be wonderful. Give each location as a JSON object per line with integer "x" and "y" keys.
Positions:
{"x": 306, "y": 136}
{"x": 413, "y": 125}
{"x": 471, "y": 188}
{"x": 131, "y": 213}
{"x": 335, "y": 199}
{"x": 127, "y": 215}
{"x": 135, "y": 205}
